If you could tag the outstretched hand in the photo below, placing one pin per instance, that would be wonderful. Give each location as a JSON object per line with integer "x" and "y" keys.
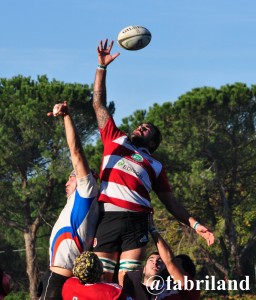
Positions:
{"x": 60, "y": 109}
{"x": 205, "y": 233}
{"x": 104, "y": 56}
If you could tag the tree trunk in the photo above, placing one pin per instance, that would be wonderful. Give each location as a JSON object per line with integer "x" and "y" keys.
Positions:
{"x": 31, "y": 260}
{"x": 235, "y": 267}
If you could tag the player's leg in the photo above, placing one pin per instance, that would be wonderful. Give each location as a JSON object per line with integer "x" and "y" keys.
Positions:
{"x": 134, "y": 242}
{"x": 107, "y": 243}
{"x": 109, "y": 261}
{"x": 129, "y": 261}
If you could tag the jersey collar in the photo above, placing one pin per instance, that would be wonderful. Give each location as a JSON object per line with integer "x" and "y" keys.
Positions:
{"x": 143, "y": 149}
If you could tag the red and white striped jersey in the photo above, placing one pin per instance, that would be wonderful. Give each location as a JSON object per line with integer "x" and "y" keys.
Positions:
{"x": 128, "y": 173}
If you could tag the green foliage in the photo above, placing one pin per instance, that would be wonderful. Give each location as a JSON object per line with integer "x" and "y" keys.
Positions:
{"x": 133, "y": 121}
{"x": 209, "y": 154}
{"x": 33, "y": 145}
{"x": 35, "y": 161}
{"x": 94, "y": 154}
{"x": 215, "y": 296}
{"x": 17, "y": 296}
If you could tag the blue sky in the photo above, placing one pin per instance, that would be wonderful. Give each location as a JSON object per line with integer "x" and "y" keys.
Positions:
{"x": 194, "y": 44}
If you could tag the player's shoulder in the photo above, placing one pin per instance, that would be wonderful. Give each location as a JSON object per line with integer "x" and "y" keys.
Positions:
{"x": 86, "y": 187}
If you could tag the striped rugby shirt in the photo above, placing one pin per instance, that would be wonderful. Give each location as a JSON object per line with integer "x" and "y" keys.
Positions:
{"x": 128, "y": 173}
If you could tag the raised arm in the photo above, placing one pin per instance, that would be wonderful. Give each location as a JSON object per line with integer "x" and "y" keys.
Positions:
{"x": 166, "y": 254}
{"x": 182, "y": 215}
{"x": 79, "y": 161}
{"x": 99, "y": 88}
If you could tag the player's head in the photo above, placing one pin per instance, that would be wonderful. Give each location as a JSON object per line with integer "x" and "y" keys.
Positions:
{"x": 153, "y": 266}
{"x": 147, "y": 135}
{"x": 71, "y": 184}
{"x": 6, "y": 284}
{"x": 88, "y": 267}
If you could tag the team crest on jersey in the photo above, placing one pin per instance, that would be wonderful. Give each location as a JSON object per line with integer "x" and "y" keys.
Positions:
{"x": 94, "y": 242}
{"x": 137, "y": 157}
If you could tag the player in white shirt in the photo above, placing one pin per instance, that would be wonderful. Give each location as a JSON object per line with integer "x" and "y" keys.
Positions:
{"x": 75, "y": 228}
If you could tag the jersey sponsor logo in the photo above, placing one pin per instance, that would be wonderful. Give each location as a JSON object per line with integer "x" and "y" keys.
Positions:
{"x": 137, "y": 157}
{"x": 121, "y": 162}
{"x": 130, "y": 169}
{"x": 144, "y": 239}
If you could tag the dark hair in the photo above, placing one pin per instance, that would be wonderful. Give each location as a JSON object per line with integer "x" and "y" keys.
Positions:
{"x": 152, "y": 253}
{"x": 187, "y": 264}
{"x": 157, "y": 137}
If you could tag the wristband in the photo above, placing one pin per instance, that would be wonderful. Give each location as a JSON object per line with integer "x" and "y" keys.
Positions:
{"x": 101, "y": 67}
{"x": 196, "y": 224}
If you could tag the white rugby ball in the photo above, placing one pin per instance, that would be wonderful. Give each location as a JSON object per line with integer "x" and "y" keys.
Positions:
{"x": 134, "y": 37}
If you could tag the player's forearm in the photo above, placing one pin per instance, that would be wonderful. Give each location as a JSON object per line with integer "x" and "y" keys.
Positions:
{"x": 100, "y": 98}
{"x": 164, "y": 250}
{"x": 176, "y": 208}
{"x": 167, "y": 256}
{"x": 78, "y": 158}
{"x": 182, "y": 214}
{"x": 71, "y": 134}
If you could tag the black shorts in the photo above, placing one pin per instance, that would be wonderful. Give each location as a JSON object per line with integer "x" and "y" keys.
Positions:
{"x": 121, "y": 231}
{"x": 52, "y": 286}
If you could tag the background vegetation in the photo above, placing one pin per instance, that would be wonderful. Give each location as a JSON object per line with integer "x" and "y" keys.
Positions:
{"x": 208, "y": 151}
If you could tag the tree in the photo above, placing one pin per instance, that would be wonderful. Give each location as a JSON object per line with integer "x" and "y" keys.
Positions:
{"x": 34, "y": 156}
{"x": 210, "y": 153}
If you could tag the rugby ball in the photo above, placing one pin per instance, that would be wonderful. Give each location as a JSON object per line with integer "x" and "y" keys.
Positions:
{"x": 134, "y": 37}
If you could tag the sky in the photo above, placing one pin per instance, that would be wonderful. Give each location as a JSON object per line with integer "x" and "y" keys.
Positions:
{"x": 194, "y": 44}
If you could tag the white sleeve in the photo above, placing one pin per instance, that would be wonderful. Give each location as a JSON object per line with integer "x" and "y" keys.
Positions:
{"x": 87, "y": 186}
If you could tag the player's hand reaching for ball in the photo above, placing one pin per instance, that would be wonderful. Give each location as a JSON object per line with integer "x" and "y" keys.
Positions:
{"x": 104, "y": 56}
{"x": 59, "y": 109}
